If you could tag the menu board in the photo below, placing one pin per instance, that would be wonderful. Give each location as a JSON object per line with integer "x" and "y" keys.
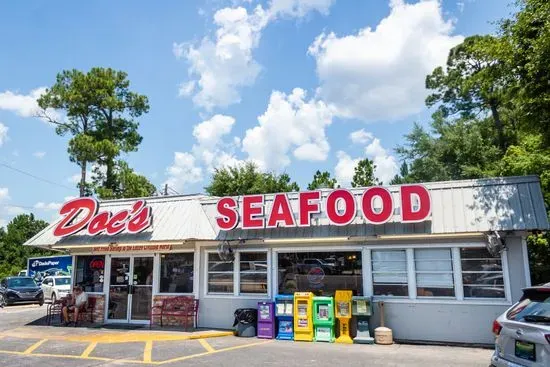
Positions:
{"x": 322, "y": 312}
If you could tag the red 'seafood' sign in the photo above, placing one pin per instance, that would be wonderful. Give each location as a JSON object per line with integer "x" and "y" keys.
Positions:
{"x": 82, "y": 213}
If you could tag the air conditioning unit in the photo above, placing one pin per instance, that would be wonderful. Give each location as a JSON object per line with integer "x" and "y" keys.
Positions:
{"x": 495, "y": 244}
{"x": 225, "y": 252}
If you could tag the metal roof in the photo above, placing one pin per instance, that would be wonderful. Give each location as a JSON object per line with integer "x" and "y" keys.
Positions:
{"x": 175, "y": 218}
{"x": 504, "y": 204}
{"x": 469, "y": 206}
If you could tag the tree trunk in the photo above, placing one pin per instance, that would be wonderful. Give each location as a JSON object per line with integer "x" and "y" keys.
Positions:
{"x": 498, "y": 126}
{"x": 82, "y": 179}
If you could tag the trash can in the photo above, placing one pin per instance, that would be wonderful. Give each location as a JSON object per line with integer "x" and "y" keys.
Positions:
{"x": 245, "y": 322}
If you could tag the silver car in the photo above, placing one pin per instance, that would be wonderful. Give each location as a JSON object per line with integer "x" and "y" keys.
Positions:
{"x": 523, "y": 332}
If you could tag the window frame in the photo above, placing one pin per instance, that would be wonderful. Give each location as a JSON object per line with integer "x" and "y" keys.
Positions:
{"x": 75, "y": 270}
{"x": 452, "y": 272}
{"x": 505, "y": 285}
{"x": 236, "y": 276}
{"x": 406, "y": 272}
{"x": 457, "y": 274}
{"x": 157, "y": 262}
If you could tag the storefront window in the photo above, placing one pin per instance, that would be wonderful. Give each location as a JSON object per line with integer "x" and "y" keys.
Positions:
{"x": 389, "y": 273}
{"x": 220, "y": 275}
{"x": 90, "y": 272}
{"x": 253, "y": 272}
{"x": 320, "y": 272}
{"x": 482, "y": 274}
{"x": 176, "y": 273}
{"x": 434, "y": 273}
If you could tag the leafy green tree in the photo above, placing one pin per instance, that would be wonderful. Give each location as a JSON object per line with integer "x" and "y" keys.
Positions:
{"x": 527, "y": 35}
{"x": 128, "y": 184}
{"x": 322, "y": 180}
{"x": 474, "y": 81}
{"x": 248, "y": 179}
{"x": 99, "y": 114}
{"x": 403, "y": 177}
{"x": 13, "y": 255}
{"x": 364, "y": 174}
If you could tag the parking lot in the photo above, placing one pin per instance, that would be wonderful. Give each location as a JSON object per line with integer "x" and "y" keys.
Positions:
{"x": 25, "y": 340}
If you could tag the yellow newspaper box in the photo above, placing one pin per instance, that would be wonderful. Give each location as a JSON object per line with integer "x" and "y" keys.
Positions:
{"x": 303, "y": 316}
{"x": 342, "y": 299}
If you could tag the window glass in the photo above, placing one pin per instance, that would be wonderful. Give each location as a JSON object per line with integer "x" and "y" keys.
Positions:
{"x": 176, "y": 273}
{"x": 90, "y": 271}
{"x": 253, "y": 272}
{"x": 434, "y": 273}
{"x": 320, "y": 272}
{"x": 62, "y": 281}
{"x": 220, "y": 274}
{"x": 389, "y": 273}
{"x": 482, "y": 274}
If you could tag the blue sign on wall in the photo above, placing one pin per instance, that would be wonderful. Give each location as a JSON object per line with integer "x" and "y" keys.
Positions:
{"x": 40, "y": 267}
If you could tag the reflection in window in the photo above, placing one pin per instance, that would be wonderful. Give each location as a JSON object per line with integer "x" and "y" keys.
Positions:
{"x": 320, "y": 272}
{"x": 176, "y": 273}
{"x": 220, "y": 274}
{"x": 253, "y": 272}
{"x": 482, "y": 274}
{"x": 389, "y": 273}
{"x": 90, "y": 272}
{"x": 434, "y": 273}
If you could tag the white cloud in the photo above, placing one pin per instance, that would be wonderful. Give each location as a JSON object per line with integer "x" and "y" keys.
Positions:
{"x": 25, "y": 105}
{"x": 4, "y": 194}
{"x": 3, "y": 223}
{"x": 209, "y": 133}
{"x": 69, "y": 198}
{"x": 39, "y": 155}
{"x": 345, "y": 168}
{"x": 360, "y": 136}
{"x": 380, "y": 73}
{"x": 47, "y": 206}
{"x": 183, "y": 171}
{"x": 220, "y": 67}
{"x": 3, "y": 134}
{"x": 386, "y": 164}
{"x": 14, "y": 210}
{"x": 290, "y": 124}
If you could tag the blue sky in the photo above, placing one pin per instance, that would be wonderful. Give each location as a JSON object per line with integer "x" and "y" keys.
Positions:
{"x": 294, "y": 85}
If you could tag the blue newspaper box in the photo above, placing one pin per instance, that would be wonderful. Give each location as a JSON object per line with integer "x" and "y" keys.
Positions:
{"x": 284, "y": 312}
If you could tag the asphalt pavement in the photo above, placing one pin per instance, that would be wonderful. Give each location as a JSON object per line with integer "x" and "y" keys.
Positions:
{"x": 26, "y": 341}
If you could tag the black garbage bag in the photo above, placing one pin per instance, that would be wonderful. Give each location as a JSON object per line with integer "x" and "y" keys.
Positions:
{"x": 245, "y": 316}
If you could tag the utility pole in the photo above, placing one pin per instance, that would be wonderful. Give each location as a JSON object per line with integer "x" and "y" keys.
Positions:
{"x": 165, "y": 189}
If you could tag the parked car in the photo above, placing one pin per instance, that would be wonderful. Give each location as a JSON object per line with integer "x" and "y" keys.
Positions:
{"x": 308, "y": 264}
{"x": 22, "y": 273}
{"x": 56, "y": 287}
{"x": 20, "y": 290}
{"x": 523, "y": 332}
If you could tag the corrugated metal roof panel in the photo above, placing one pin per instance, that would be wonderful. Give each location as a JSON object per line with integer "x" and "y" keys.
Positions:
{"x": 174, "y": 218}
{"x": 508, "y": 203}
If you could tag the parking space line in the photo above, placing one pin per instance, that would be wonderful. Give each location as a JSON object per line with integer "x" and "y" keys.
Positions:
{"x": 148, "y": 351}
{"x": 34, "y": 346}
{"x": 88, "y": 350}
{"x": 215, "y": 351}
{"x": 206, "y": 346}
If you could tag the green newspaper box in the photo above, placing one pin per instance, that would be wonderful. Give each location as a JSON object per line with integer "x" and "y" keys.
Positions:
{"x": 323, "y": 319}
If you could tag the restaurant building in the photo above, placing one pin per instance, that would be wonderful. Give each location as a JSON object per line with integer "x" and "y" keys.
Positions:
{"x": 446, "y": 257}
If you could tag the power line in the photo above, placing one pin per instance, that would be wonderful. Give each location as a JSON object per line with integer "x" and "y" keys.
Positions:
{"x": 36, "y": 177}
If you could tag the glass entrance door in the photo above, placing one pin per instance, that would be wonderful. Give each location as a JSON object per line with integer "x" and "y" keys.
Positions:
{"x": 130, "y": 289}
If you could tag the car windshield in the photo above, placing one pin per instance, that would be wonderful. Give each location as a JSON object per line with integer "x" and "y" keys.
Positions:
{"x": 534, "y": 307}
{"x": 62, "y": 281}
{"x": 21, "y": 282}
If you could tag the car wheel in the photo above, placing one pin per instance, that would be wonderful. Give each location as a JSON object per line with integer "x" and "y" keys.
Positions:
{"x": 41, "y": 302}
{"x": 2, "y": 301}
{"x": 54, "y": 298}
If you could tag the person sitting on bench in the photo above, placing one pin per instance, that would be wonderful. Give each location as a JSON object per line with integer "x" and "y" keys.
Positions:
{"x": 79, "y": 301}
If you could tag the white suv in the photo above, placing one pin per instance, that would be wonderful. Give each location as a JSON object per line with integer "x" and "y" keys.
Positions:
{"x": 56, "y": 287}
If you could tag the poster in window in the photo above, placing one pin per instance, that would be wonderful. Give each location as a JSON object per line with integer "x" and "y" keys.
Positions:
{"x": 302, "y": 323}
{"x": 322, "y": 312}
{"x": 343, "y": 308}
{"x": 361, "y": 306}
{"x": 280, "y": 308}
{"x": 288, "y": 308}
{"x": 285, "y": 326}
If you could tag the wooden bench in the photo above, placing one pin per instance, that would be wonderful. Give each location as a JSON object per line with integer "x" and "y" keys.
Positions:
{"x": 180, "y": 307}
{"x": 56, "y": 309}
